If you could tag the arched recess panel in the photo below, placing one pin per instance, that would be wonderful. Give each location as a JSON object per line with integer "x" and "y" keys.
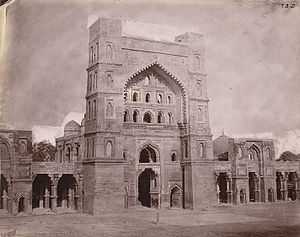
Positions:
{"x": 164, "y": 88}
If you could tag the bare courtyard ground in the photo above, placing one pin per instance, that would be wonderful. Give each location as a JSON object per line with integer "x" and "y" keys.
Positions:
{"x": 281, "y": 219}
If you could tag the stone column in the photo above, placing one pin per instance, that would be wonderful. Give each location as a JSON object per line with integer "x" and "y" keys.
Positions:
{"x": 41, "y": 203}
{"x": 257, "y": 189}
{"x": 282, "y": 189}
{"x": 286, "y": 188}
{"x": 9, "y": 195}
{"x": 69, "y": 201}
{"x": 5, "y": 199}
{"x": 229, "y": 190}
{"x": 54, "y": 195}
{"x": 297, "y": 188}
{"x": 79, "y": 193}
{"x": 76, "y": 197}
{"x": 47, "y": 197}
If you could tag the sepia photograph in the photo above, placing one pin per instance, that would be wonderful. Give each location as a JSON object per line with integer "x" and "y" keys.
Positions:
{"x": 150, "y": 118}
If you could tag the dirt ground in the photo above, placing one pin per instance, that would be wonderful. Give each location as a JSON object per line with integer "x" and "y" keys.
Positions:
{"x": 280, "y": 219}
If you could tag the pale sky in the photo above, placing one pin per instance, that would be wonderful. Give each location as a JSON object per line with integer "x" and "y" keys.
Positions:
{"x": 252, "y": 53}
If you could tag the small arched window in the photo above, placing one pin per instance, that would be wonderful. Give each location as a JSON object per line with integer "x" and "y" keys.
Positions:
{"x": 126, "y": 116}
{"x": 173, "y": 156}
{"x": 68, "y": 154}
{"x": 239, "y": 152}
{"x": 253, "y": 153}
{"x": 147, "y": 118}
{"x": 135, "y": 96}
{"x": 160, "y": 118}
{"x": 23, "y": 148}
{"x": 108, "y": 149}
{"x": 169, "y": 99}
{"x": 147, "y": 99}
{"x": 170, "y": 118}
{"x": 159, "y": 98}
{"x": 268, "y": 153}
{"x": 201, "y": 150}
{"x": 198, "y": 63}
{"x": 135, "y": 116}
{"x": 200, "y": 114}
{"x": 109, "y": 110}
{"x": 109, "y": 52}
{"x": 147, "y": 80}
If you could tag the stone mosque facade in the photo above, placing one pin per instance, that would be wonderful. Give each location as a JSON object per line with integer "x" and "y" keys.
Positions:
{"x": 145, "y": 139}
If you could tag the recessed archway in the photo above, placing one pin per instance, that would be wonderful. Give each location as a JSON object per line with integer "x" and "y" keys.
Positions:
{"x": 66, "y": 192}
{"x": 252, "y": 186}
{"x": 41, "y": 191}
{"x": 3, "y": 193}
{"x": 270, "y": 195}
{"x": 21, "y": 205}
{"x": 147, "y": 188}
{"x": 175, "y": 197}
{"x": 242, "y": 196}
{"x": 222, "y": 182}
{"x": 148, "y": 155}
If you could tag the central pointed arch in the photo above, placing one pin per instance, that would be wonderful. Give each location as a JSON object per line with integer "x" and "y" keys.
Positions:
{"x": 172, "y": 82}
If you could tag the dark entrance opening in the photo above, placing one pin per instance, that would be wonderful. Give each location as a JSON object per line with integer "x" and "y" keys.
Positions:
{"x": 147, "y": 155}
{"x": 41, "y": 188}
{"x": 291, "y": 186}
{"x": 242, "y": 196}
{"x": 222, "y": 187}
{"x": 252, "y": 186}
{"x": 3, "y": 193}
{"x": 66, "y": 192}
{"x": 21, "y": 207}
{"x": 144, "y": 186}
{"x": 175, "y": 199}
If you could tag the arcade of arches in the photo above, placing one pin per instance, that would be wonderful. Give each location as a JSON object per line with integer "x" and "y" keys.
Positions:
{"x": 49, "y": 194}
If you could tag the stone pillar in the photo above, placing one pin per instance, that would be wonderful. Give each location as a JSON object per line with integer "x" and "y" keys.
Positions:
{"x": 297, "y": 188}
{"x": 257, "y": 189}
{"x": 76, "y": 197}
{"x": 229, "y": 190}
{"x": 69, "y": 201}
{"x": 282, "y": 189}
{"x": 54, "y": 195}
{"x": 79, "y": 194}
{"x": 41, "y": 203}
{"x": 5, "y": 199}
{"x": 285, "y": 188}
{"x": 47, "y": 197}
{"x": 9, "y": 195}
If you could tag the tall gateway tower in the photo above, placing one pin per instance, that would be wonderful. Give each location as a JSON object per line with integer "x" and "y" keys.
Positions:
{"x": 147, "y": 133}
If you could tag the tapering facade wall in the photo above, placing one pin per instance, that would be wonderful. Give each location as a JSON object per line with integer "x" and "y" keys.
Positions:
{"x": 146, "y": 96}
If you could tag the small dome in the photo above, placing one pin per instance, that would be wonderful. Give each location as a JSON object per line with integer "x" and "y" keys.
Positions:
{"x": 71, "y": 128}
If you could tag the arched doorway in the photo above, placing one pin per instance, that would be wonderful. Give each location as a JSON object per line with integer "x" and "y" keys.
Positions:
{"x": 148, "y": 188}
{"x": 175, "y": 197}
{"x": 21, "y": 204}
{"x": 66, "y": 192}
{"x": 252, "y": 186}
{"x": 3, "y": 193}
{"x": 242, "y": 196}
{"x": 222, "y": 182}
{"x": 270, "y": 195}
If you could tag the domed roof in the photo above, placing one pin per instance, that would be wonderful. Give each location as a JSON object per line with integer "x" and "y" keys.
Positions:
{"x": 71, "y": 128}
